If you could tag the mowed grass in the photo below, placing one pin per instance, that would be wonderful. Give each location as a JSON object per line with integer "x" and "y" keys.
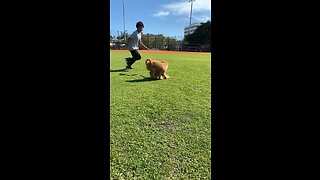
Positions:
{"x": 160, "y": 129}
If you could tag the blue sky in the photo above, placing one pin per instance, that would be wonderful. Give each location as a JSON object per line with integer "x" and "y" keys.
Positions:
{"x": 168, "y": 17}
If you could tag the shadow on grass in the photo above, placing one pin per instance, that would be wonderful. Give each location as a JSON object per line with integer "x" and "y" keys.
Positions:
{"x": 118, "y": 70}
{"x": 142, "y": 80}
{"x": 135, "y": 80}
{"x": 122, "y": 74}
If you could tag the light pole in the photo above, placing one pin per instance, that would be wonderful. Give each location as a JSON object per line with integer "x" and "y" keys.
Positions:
{"x": 124, "y": 22}
{"x": 190, "y": 16}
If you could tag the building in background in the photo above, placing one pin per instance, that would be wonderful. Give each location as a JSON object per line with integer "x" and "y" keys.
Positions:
{"x": 190, "y": 29}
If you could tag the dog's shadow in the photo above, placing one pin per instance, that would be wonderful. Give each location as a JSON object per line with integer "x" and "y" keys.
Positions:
{"x": 142, "y": 80}
{"x": 135, "y": 80}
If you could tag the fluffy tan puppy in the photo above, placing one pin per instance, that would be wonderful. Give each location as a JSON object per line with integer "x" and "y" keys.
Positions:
{"x": 157, "y": 69}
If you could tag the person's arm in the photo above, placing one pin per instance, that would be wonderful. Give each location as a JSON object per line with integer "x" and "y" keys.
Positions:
{"x": 144, "y": 45}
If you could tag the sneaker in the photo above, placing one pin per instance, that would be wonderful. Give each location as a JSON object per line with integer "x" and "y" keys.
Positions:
{"x": 126, "y": 60}
{"x": 128, "y": 68}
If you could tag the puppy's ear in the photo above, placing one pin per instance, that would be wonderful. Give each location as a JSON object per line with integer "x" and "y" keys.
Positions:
{"x": 148, "y": 61}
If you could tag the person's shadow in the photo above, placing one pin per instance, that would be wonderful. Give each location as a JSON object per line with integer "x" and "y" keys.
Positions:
{"x": 118, "y": 70}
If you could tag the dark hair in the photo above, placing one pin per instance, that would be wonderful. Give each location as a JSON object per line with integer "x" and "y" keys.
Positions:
{"x": 139, "y": 24}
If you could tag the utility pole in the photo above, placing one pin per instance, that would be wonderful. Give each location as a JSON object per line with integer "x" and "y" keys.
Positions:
{"x": 190, "y": 16}
{"x": 124, "y": 22}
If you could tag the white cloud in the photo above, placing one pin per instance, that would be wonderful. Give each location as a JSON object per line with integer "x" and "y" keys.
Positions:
{"x": 183, "y": 7}
{"x": 195, "y": 19}
{"x": 202, "y": 18}
{"x": 161, "y": 14}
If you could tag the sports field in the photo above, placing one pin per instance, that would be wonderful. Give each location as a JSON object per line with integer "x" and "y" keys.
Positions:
{"x": 160, "y": 129}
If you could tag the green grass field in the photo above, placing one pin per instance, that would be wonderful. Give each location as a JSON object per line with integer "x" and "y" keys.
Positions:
{"x": 160, "y": 129}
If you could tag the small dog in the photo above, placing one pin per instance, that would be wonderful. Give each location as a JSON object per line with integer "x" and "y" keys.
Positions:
{"x": 157, "y": 69}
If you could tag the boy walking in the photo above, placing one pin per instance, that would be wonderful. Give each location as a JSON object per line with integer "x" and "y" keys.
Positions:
{"x": 133, "y": 45}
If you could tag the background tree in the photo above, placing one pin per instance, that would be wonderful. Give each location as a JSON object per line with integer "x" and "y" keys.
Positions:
{"x": 146, "y": 39}
{"x": 121, "y": 37}
{"x": 159, "y": 41}
{"x": 201, "y": 36}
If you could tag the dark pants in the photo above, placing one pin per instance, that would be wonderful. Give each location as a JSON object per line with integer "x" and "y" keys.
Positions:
{"x": 135, "y": 56}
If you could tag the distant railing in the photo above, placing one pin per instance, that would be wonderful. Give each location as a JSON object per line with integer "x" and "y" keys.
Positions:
{"x": 178, "y": 47}
{"x": 163, "y": 44}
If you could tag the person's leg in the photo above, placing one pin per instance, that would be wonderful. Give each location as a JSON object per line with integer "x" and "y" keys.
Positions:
{"x": 128, "y": 60}
{"x": 135, "y": 56}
